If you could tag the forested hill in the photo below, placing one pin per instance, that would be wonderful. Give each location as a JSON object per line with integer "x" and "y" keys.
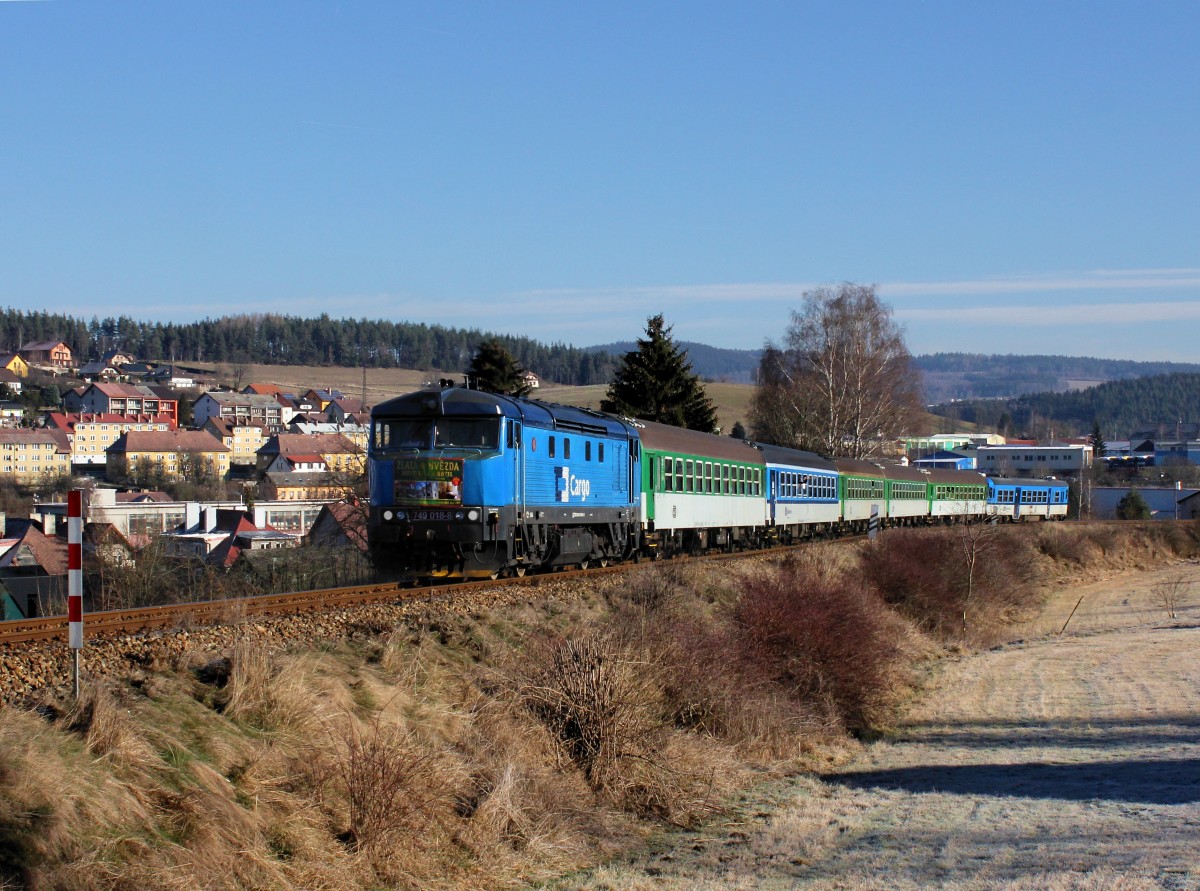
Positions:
{"x": 273, "y": 339}
{"x": 284, "y": 340}
{"x": 1120, "y": 407}
{"x": 975, "y": 376}
{"x": 711, "y": 363}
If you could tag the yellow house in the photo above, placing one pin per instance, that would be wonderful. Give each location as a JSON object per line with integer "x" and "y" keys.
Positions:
{"x": 152, "y": 456}
{"x": 90, "y": 435}
{"x": 28, "y": 456}
{"x": 14, "y": 363}
{"x": 243, "y": 439}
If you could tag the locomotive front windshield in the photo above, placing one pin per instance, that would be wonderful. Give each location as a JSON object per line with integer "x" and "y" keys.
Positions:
{"x": 398, "y": 434}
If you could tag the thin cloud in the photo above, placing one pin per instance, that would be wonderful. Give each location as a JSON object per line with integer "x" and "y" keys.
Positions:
{"x": 1073, "y": 314}
{"x": 793, "y": 292}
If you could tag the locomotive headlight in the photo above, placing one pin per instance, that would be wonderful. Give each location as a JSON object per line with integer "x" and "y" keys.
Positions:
{"x": 387, "y": 515}
{"x": 473, "y": 515}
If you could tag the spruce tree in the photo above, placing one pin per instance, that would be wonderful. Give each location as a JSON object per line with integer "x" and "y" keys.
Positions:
{"x": 655, "y": 382}
{"x": 1099, "y": 450}
{"x": 1133, "y": 507}
{"x": 494, "y": 370}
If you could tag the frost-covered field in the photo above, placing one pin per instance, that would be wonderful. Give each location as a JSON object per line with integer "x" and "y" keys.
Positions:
{"x": 1053, "y": 762}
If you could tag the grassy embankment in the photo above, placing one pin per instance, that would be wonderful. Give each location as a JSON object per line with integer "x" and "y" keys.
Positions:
{"x": 491, "y": 748}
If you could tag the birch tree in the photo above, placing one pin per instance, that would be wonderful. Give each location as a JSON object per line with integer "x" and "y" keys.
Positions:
{"x": 843, "y": 381}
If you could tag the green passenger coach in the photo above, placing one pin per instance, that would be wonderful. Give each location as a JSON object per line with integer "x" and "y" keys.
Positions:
{"x": 699, "y": 491}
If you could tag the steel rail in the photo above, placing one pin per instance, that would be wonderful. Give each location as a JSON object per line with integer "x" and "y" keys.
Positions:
{"x": 105, "y": 623}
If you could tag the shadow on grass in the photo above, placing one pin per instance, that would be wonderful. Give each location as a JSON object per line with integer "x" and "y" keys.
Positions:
{"x": 1143, "y": 781}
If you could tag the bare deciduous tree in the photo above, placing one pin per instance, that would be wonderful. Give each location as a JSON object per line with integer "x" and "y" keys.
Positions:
{"x": 843, "y": 382}
{"x": 1171, "y": 593}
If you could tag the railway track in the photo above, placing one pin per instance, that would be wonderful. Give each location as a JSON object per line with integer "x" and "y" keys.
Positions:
{"x": 128, "y": 622}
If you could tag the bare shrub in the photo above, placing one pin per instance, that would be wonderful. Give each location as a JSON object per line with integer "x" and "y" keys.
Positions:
{"x": 932, "y": 579}
{"x": 1172, "y": 593}
{"x": 709, "y": 689}
{"x": 602, "y": 700}
{"x": 392, "y": 784}
{"x": 834, "y": 646}
{"x": 1063, "y": 545}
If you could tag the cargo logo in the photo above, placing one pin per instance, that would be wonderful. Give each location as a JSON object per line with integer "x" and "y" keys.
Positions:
{"x": 568, "y": 486}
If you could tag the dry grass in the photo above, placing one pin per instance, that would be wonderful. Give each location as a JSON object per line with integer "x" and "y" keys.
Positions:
{"x": 484, "y": 750}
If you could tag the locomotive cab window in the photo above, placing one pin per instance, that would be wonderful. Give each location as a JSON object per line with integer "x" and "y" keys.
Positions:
{"x": 467, "y": 434}
{"x": 403, "y": 433}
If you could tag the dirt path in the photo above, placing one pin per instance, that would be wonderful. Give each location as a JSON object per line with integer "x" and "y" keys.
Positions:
{"x": 1067, "y": 762}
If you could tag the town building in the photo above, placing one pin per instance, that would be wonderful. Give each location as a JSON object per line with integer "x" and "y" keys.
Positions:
{"x": 241, "y": 409}
{"x": 243, "y": 439}
{"x": 90, "y": 435}
{"x": 1033, "y": 460}
{"x": 945, "y": 460}
{"x": 131, "y": 400}
{"x": 149, "y": 457}
{"x": 51, "y": 354}
{"x": 14, "y": 363}
{"x": 342, "y": 456}
{"x": 29, "y": 457}
{"x": 12, "y": 380}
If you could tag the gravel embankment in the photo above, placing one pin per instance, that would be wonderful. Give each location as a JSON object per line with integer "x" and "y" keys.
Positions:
{"x": 30, "y": 669}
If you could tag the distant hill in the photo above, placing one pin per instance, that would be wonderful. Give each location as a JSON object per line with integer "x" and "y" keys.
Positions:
{"x": 949, "y": 376}
{"x": 711, "y": 363}
{"x": 1120, "y": 407}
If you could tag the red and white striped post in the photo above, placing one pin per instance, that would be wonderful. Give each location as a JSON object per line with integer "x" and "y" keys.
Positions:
{"x": 75, "y": 579}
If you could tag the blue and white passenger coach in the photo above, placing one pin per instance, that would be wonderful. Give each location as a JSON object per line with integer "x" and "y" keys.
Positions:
{"x": 479, "y": 484}
{"x": 802, "y": 493}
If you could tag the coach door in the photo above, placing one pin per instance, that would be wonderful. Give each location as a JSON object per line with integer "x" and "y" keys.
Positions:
{"x": 1017, "y": 495}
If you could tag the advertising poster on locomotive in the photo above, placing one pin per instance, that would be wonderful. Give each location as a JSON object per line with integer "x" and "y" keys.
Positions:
{"x": 434, "y": 481}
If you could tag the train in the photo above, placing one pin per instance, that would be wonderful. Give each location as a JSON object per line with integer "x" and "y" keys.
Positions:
{"x": 474, "y": 484}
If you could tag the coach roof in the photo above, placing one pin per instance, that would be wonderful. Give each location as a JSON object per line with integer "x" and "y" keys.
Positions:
{"x": 795, "y": 457}
{"x": 665, "y": 438}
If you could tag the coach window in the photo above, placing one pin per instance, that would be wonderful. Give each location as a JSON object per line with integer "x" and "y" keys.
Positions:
{"x": 708, "y": 477}
{"x": 758, "y": 481}
{"x": 688, "y": 478}
{"x": 678, "y": 474}
{"x": 668, "y": 475}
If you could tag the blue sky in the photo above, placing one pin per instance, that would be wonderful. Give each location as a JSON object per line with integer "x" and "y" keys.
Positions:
{"x": 1016, "y": 177}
